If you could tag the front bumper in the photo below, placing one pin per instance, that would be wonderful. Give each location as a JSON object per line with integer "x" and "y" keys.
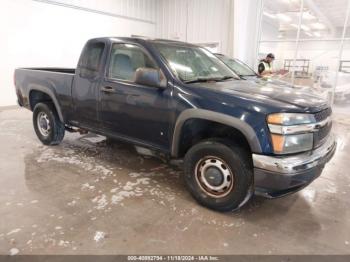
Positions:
{"x": 278, "y": 176}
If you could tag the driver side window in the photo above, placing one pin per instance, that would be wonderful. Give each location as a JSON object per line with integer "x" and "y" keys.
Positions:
{"x": 126, "y": 59}
{"x": 91, "y": 60}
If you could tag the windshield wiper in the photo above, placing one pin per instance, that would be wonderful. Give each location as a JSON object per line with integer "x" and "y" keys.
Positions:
{"x": 201, "y": 79}
{"x": 244, "y": 77}
{"x": 207, "y": 79}
{"x": 224, "y": 78}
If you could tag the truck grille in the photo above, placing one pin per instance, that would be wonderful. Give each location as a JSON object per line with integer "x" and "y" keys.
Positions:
{"x": 322, "y": 115}
{"x": 321, "y": 135}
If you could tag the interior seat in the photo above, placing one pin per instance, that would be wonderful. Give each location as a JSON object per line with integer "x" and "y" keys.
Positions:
{"x": 122, "y": 67}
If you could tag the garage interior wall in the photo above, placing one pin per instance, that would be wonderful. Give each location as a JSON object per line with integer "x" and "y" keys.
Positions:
{"x": 52, "y": 33}
{"x": 47, "y": 33}
{"x": 205, "y": 22}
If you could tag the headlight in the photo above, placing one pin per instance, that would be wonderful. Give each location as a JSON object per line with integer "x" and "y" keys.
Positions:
{"x": 289, "y": 144}
{"x": 291, "y": 133}
{"x": 289, "y": 119}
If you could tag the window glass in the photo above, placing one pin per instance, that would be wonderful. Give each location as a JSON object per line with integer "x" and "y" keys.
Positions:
{"x": 237, "y": 66}
{"x": 191, "y": 63}
{"x": 91, "y": 60}
{"x": 306, "y": 38}
{"x": 126, "y": 59}
{"x": 342, "y": 88}
{"x": 280, "y": 20}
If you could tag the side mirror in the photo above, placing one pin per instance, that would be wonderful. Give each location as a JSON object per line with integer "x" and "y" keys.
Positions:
{"x": 150, "y": 77}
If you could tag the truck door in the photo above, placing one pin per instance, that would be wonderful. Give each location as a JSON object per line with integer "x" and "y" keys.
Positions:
{"x": 132, "y": 110}
{"x": 85, "y": 90}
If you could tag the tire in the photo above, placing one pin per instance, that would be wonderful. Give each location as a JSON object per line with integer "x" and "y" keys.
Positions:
{"x": 230, "y": 160}
{"x": 51, "y": 130}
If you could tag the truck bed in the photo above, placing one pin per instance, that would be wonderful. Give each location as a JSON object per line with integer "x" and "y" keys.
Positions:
{"x": 55, "y": 82}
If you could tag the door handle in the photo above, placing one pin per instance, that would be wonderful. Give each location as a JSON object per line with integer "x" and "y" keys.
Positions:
{"x": 108, "y": 89}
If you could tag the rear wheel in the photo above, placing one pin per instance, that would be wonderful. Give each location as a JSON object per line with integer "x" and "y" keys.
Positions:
{"x": 47, "y": 125}
{"x": 219, "y": 174}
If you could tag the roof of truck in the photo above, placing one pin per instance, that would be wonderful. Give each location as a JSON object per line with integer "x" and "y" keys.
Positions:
{"x": 140, "y": 39}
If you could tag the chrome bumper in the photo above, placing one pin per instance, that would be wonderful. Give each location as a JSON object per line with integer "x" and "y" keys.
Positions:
{"x": 290, "y": 165}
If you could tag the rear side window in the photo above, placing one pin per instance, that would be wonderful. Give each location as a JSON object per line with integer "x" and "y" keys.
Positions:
{"x": 91, "y": 60}
{"x": 126, "y": 59}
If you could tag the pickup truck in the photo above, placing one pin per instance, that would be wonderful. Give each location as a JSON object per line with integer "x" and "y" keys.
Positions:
{"x": 234, "y": 137}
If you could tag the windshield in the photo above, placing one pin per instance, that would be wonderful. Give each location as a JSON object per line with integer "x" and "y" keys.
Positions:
{"x": 237, "y": 66}
{"x": 194, "y": 64}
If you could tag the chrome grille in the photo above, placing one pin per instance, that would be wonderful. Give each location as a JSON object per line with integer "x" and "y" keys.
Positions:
{"x": 322, "y": 134}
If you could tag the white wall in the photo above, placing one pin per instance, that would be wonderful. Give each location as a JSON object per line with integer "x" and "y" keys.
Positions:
{"x": 195, "y": 21}
{"x": 38, "y": 34}
{"x": 136, "y": 9}
{"x": 43, "y": 33}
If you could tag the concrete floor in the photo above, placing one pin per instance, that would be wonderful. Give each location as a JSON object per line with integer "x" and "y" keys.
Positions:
{"x": 88, "y": 197}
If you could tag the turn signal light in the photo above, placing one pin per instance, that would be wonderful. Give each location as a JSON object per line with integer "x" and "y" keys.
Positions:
{"x": 277, "y": 143}
{"x": 275, "y": 119}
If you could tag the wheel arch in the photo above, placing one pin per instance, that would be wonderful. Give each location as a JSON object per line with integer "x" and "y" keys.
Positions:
{"x": 40, "y": 94}
{"x": 201, "y": 114}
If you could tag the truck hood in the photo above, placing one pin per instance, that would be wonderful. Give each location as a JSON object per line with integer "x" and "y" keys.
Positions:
{"x": 269, "y": 93}
{"x": 261, "y": 81}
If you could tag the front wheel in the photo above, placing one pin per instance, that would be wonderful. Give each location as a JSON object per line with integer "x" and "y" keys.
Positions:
{"x": 47, "y": 125}
{"x": 218, "y": 174}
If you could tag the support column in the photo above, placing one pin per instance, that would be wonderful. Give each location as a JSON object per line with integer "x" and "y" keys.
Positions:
{"x": 246, "y": 21}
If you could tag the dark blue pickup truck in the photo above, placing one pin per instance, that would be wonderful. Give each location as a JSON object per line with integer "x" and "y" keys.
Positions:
{"x": 235, "y": 137}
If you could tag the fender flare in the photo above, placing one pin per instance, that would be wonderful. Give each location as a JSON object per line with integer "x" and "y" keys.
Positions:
{"x": 231, "y": 121}
{"x": 51, "y": 94}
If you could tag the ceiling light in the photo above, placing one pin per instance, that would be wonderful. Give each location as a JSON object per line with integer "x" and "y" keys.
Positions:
{"x": 283, "y": 17}
{"x": 308, "y": 33}
{"x": 269, "y": 15}
{"x": 308, "y": 16}
{"x": 290, "y": 1}
{"x": 318, "y": 26}
{"x": 305, "y": 28}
